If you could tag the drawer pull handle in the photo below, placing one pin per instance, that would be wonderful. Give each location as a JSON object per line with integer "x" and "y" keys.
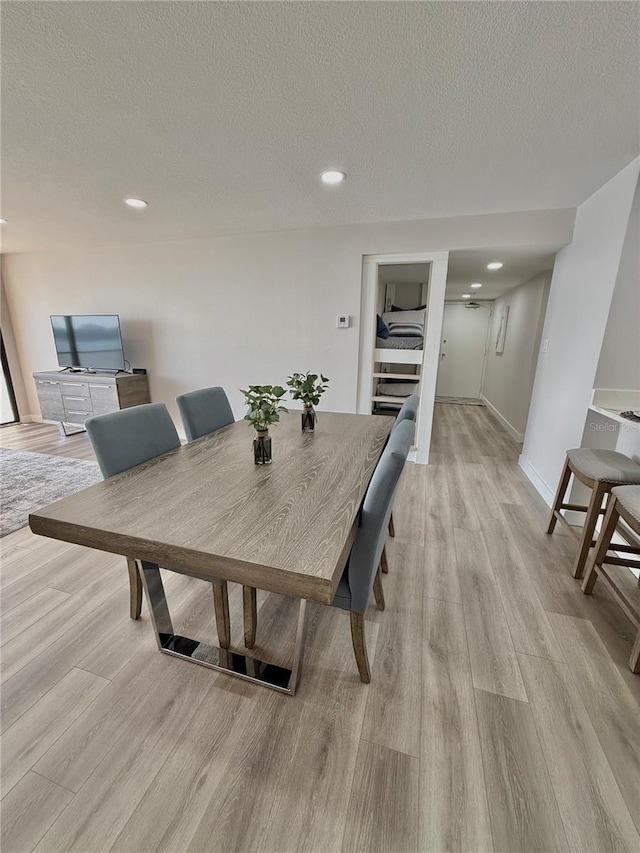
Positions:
{"x": 110, "y": 387}
{"x": 69, "y": 412}
{"x": 73, "y": 398}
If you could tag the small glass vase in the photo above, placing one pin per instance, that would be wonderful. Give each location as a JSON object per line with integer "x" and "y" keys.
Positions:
{"x": 308, "y": 419}
{"x": 262, "y": 448}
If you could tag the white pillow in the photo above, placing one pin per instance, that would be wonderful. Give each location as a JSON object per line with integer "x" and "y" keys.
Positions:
{"x": 403, "y": 318}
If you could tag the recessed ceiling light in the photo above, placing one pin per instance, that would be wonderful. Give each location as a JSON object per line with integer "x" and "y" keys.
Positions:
{"x": 138, "y": 203}
{"x": 495, "y": 265}
{"x": 476, "y": 285}
{"x": 466, "y": 296}
{"x": 3, "y": 221}
{"x": 332, "y": 177}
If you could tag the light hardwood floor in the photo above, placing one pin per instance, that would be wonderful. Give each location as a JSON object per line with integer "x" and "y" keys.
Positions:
{"x": 501, "y": 715}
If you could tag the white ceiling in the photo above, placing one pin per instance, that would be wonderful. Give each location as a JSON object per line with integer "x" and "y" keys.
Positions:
{"x": 469, "y": 266}
{"x": 222, "y": 115}
{"x": 403, "y": 273}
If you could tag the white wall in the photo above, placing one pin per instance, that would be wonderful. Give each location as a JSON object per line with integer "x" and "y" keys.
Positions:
{"x": 240, "y": 309}
{"x": 581, "y": 291}
{"x": 619, "y": 364}
{"x": 411, "y": 280}
{"x": 509, "y": 375}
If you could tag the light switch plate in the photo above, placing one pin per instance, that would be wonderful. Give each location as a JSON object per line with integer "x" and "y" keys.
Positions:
{"x": 343, "y": 321}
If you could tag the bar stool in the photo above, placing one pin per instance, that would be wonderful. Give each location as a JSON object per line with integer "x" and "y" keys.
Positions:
{"x": 624, "y": 504}
{"x": 601, "y": 471}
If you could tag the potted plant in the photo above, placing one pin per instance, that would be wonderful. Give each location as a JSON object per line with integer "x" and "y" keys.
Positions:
{"x": 264, "y": 409}
{"x": 308, "y": 388}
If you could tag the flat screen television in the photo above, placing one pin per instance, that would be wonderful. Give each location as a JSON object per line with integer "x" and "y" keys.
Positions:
{"x": 89, "y": 341}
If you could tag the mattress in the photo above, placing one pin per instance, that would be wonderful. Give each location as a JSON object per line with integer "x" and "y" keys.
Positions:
{"x": 409, "y": 342}
{"x": 397, "y": 389}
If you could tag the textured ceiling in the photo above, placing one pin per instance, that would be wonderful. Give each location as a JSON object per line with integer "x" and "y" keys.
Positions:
{"x": 222, "y": 115}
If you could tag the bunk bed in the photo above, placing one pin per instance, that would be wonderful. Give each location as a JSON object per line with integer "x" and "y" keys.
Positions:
{"x": 403, "y": 347}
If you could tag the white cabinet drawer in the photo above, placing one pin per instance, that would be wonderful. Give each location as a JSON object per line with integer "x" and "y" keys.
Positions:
{"x": 76, "y": 401}
{"x": 77, "y": 416}
{"x": 77, "y": 389}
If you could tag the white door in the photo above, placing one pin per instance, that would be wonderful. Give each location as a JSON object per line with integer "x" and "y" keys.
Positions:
{"x": 462, "y": 350}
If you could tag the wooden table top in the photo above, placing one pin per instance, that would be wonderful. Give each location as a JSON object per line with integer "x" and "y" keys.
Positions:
{"x": 208, "y": 508}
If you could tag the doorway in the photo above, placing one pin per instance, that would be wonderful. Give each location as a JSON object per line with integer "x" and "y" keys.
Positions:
{"x": 427, "y": 362}
{"x": 463, "y": 351}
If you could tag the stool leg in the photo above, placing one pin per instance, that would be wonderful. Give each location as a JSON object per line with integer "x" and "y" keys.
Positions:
{"x": 598, "y": 493}
{"x": 562, "y": 488}
{"x": 602, "y": 546}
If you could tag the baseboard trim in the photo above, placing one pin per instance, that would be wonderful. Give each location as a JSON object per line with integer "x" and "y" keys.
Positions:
{"x": 513, "y": 432}
{"x": 36, "y": 419}
{"x": 540, "y": 486}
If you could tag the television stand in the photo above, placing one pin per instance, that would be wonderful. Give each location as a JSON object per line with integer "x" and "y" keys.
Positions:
{"x": 69, "y": 398}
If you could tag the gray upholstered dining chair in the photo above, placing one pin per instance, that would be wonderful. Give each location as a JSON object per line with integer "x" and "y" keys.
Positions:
{"x": 361, "y": 575}
{"x": 126, "y": 438}
{"x": 408, "y": 412}
{"x": 204, "y": 411}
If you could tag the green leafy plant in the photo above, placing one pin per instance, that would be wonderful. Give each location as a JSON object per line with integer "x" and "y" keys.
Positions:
{"x": 307, "y": 387}
{"x": 264, "y": 405}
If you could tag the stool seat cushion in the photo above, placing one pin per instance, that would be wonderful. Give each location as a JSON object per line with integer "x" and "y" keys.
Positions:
{"x": 629, "y": 498}
{"x": 609, "y": 466}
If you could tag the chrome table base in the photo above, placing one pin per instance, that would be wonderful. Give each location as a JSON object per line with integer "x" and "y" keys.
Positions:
{"x": 223, "y": 660}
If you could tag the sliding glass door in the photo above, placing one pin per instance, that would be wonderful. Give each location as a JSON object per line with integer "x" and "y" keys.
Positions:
{"x": 8, "y": 408}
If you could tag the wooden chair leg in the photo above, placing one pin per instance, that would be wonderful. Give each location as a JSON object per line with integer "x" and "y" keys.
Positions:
{"x": 602, "y": 546}
{"x": 634, "y": 660}
{"x": 378, "y": 592}
{"x": 135, "y": 589}
{"x": 590, "y": 577}
{"x": 250, "y": 613}
{"x": 560, "y": 493}
{"x": 392, "y": 527}
{"x": 598, "y": 493}
{"x": 221, "y": 606}
{"x": 384, "y": 565}
{"x": 359, "y": 646}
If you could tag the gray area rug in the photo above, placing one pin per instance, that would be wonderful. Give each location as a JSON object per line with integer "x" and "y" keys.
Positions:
{"x": 29, "y": 481}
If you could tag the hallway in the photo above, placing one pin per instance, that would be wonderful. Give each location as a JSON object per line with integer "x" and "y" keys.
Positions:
{"x": 501, "y": 715}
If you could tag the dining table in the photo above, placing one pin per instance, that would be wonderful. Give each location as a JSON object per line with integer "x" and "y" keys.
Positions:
{"x": 207, "y": 510}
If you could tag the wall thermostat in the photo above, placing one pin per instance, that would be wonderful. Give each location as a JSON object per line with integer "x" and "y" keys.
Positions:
{"x": 343, "y": 321}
